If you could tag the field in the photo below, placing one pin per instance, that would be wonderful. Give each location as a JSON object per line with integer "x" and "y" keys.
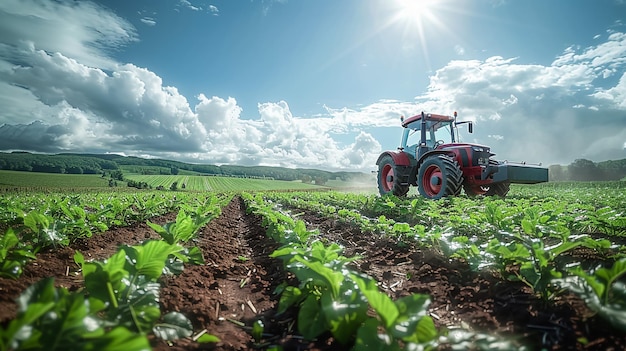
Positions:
{"x": 215, "y": 183}
{"x": 543, "y": 269}
{"x": 10, "y": 180}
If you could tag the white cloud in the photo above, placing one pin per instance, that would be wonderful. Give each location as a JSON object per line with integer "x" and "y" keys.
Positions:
{"x": 537, "y": 108}
{"x": 82, "y": 30}
{"x": 459, "y": 50}
{"x": 148, "y": 21}
{"x": 189, "y": 5}
{"x": 61, "y": 92}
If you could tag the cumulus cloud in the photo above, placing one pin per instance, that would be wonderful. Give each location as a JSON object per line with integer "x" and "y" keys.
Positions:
{"x": 60, "y": 91}
{"x": 537, "y": 107}
{"x": 58, "y": 100}
{"x": 528, "y": 112}
{"x": 82, "y": 30}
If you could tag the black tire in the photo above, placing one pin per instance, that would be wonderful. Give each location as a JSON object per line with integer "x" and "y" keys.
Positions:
{"x": 439, "y": 176}
{"x": 499, "y": 189}
{"x": 388, "y": 182}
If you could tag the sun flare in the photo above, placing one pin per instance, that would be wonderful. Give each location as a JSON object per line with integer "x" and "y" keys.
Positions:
{"x": 414, "y": 12}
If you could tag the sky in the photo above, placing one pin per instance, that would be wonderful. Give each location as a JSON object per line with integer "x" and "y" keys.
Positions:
{"x": 311, "y": 83}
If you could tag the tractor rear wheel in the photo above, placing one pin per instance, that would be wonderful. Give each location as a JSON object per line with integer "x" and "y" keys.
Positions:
{"x": 388, "y": 180}
{"x": 498, "y": 189}
{"x": 439, "y": 176}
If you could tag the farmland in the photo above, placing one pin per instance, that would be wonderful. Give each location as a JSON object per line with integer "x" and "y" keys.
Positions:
{"x": 45, "y": 181}
{"x": 542, "y": 269}
{"x": 214, "y": 183}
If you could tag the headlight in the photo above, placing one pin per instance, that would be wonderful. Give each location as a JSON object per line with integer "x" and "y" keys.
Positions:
{"x": 478, "y": 148}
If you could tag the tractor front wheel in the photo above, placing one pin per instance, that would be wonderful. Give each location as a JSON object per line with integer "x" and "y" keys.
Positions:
{"x": 388, "y": 179}
{"x": 439, "y": 176}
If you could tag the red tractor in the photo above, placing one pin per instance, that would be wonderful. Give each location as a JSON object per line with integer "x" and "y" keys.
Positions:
{"x": 439, "y": 168}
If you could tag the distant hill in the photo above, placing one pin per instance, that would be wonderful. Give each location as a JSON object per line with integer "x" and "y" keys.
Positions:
{"x": 73, "y": 163}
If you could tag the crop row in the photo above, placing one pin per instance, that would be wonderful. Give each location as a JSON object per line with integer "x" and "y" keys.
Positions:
{"x": 330, "y": 297}
{"x": 118, "y": 308}
{"x": 536, "y": 240}
{"x": 217, "y": 183}
{"x": 36, "y": 222}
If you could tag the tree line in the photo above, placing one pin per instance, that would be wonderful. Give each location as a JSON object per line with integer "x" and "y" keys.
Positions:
{"x": 106, "y": 163}
{"x": 587, "y": 170}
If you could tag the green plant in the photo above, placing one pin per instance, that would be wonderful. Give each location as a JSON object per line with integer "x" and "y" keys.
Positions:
{"x": 405, "y": 321}
{"x": 54, "y": 319}
{"x": 602, "y": 291}
{"x": 14, "y": 254}
{"x": 44, "y": 230}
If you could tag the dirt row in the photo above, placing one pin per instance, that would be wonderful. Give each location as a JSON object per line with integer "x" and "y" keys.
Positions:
{"x": 236, "y": 287}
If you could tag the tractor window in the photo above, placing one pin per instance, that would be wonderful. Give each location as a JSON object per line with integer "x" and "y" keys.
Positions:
{"x": 413, "y": 140}
{"x": 443, "y": 132}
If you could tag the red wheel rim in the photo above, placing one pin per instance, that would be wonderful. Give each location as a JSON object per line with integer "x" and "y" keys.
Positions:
{"x": 432, "y": 180}
{"x": 387, "y": 177}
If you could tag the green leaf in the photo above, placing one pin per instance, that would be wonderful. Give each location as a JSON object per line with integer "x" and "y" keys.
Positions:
{"x": 610, "y": 275}
{"x": 368, "y": 339}
{"x": 165, "y": 234}
{"x": 149, "y": 258}
{"x": 184, "y": 228}
{"x": 9, "y": 240}
{"x": 141, "y": 309}
{"x": 195, "y": 256}
{"x": 528, "y": 226}
{"x": 380, "y": 302}
{"x": 410, "y": 325}
{"x": 345, "y": 312}
{"x": 36, "y": 221}
{"x": 257, "y": 330}
{"x": 105, "y": 281}
{"x": 118, "y": 338}
{"x": 325, "y": 254}
{"x": 79, "y": 259}
{"x": 318, "y": 273}
{"x": 311, "y": 322}
{"x": 426, "y": 330}
{"x": 174, "y": 326}
{"x": 41, "y": 292}
{"x": 290, "y": 296}
{"x": 206, "y": 338}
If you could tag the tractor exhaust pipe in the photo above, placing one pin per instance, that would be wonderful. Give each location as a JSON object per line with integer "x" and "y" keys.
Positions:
{"x": 423, "y": 147}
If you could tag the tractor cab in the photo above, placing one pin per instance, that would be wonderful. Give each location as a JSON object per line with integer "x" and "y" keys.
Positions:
{"x": 426, "y": 132}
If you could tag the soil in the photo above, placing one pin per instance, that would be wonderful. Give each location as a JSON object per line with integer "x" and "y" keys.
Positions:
{"x": 237, "y": 283}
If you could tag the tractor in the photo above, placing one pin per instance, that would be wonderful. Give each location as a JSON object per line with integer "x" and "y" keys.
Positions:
{"x": 440, "y": 168}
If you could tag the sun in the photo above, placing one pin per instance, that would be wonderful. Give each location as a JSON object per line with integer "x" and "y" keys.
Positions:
{"x": 414, "y": 12}
{"x": 419, "y": 22}
{"x": 416, "y": 17}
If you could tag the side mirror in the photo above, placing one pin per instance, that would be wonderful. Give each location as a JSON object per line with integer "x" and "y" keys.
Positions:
{"x": 470, "y": 128}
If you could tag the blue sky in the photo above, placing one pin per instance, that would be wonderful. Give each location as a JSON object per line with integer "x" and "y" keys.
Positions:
{"x": 316, "y": 84}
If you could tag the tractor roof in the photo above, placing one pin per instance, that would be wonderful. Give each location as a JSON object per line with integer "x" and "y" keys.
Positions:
{"x": 429, "y": 117}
